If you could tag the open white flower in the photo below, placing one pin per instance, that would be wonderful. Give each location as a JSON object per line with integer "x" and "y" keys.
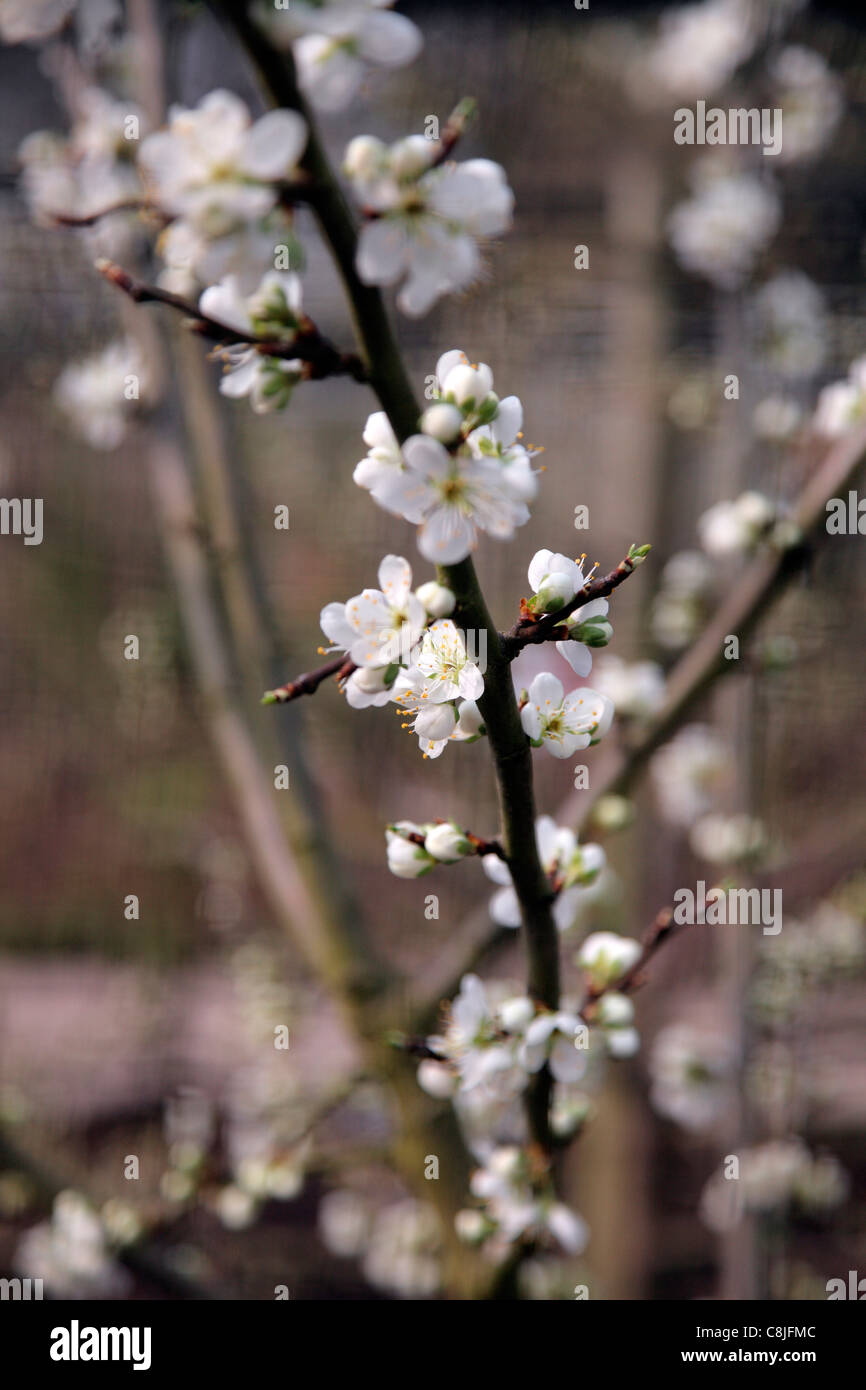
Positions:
{"x": 378, "y": 627}
{"x": 428, "y": 221}
{"x": 437, "y": 719}
{"x": 564, "y": 723}
{"x": 444, "y": 660}
{"x": 217, "y": 174}
{"x": 384, "y": 460}
{"x": 550, "y": 1038}
{"x": 334, "y": 41}
{"x": 471, "y": 1041}
{"x": 637, "y": 688}
{"x": 451, "y": 497}
{"x": 215, "y": 167}
{"x": 721, "y": 231}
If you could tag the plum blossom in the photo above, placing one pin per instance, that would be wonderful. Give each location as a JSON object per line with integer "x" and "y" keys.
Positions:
{"x": 636, "y": 688}
{"x": 425, "y": 222}
{"x": 98, "y": 394}
{"x": 377, "y": 629}
{"x": 473, "y": 1041}
{"x": 842, "y": 405}
{"x": 698, "y": 48}
{"x": 442, "y": 673}
{"x": 810, "y": 95}
{"x": 689, "y": 773}
{"x": 572, "y": 865}
{"x": 551, "y": 1038}
{"x": 334, "y": 42}
{"x": 274, "y": 311}
{"x": 692, "y": 1075}
{"x": 216, "y": 172}
{"x": 734, "y": 528}
{"x": 606, "y": 956}
{"x": 721, "y": 231}
{"x": 562, "y": 723}
{"x": 407, "y": 858}
{"x": 483, "y": 482}
{"x": 450, "y": 497}
{"x": 512, "y": 1210}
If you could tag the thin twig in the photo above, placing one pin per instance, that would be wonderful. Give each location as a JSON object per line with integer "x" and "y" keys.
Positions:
{"x": 551, "y": 628}
{"x": 321, "y": 357}
{"x": 308, "y": 683}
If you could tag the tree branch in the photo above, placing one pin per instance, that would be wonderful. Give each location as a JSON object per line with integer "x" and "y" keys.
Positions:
{"x": 551, "y": 628}
{"x": 321, "y": 357}
{"x": 308, "y": 683}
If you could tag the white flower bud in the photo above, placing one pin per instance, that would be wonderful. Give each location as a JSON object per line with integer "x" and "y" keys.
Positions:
{"x": 615, "y": 1010}
{"x": 623, "y": 1042}
{"x": 607, "y": 956}
{"x": 438, "y": 601}
{"x": 506, "y": 1162}
{"x": 443, "y": 422}
{"x": 557, "y": 588}
{"x": 466, "y": 383}
{"x": 446, "y": 843}
{"x": 515, "y": 1014}
{"x": 411, "y": 156}
{"x": 405, "y": 858}
{"x": 469, "y": 719}
{"x": 436, "y": 1079}
{"x": 470, "y": 1225}
{"x": 364, "y": 157}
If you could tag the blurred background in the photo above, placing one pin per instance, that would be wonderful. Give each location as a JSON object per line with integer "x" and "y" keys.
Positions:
{"x": 141, "y": 1036}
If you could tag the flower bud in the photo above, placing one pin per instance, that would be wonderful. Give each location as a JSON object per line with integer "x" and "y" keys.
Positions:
{"x": 515, "y": 1014}
{"x": 614, "y": 1010}
{"x": 468, "y": 385}
{"x": 436, "y": 1079}
{"x": 470, "y": 1226}
{"x": 446, "y": 842}
{"x": 411, "y": 156}
{"x": 594, "y": 633}
{"x": 405, "y": 858}
{"x": 622, "y": 1042}
{"x": 557, "y": 588}
{"x": 506, "y": 1162}
{"x": 443, "y": 422}
{"x": 364, "y": 157}
{"x": 438, "y": 601}
{"x": 605, "y": 957}
{"x": 469, "y": 721}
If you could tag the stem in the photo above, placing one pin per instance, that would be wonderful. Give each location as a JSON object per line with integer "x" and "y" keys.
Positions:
{"x": 387, "y": 376}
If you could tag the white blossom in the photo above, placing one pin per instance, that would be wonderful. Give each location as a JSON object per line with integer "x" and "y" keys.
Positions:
{"x": 689, "y": 772}
{"x": 562, "y": 723}
{"x": 426, "y": 222}
{"x": 447, "y": 843}
{"x": 334, "y": 42}
{"x": 438, "y": 600}
{"x": 636, "y": 688}
{"x": 274, "y": 311}
{"x": 406, "y": 858}
{"x": 721, "y": 231}
{"x": 734, "y": 528}
{"x": 692, "y": 1072}
{"x": 606, "y": 956}
{"x": 574, "y": 866}
{"x": 99, "y": 393}
{"x": 810, "y": 96}
{"x": 216, "y": 172}
{"x": 550, "y": 1039}
{"x": 378, "y": 627}
{"x": 842, "y": 405}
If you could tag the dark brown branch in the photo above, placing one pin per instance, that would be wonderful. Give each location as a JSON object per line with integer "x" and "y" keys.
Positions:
{"x": 125, "y": 205}
{"x": 309, "y": 682}
{"x": 321, "y": 357}
{"x": 529, "y": 630}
